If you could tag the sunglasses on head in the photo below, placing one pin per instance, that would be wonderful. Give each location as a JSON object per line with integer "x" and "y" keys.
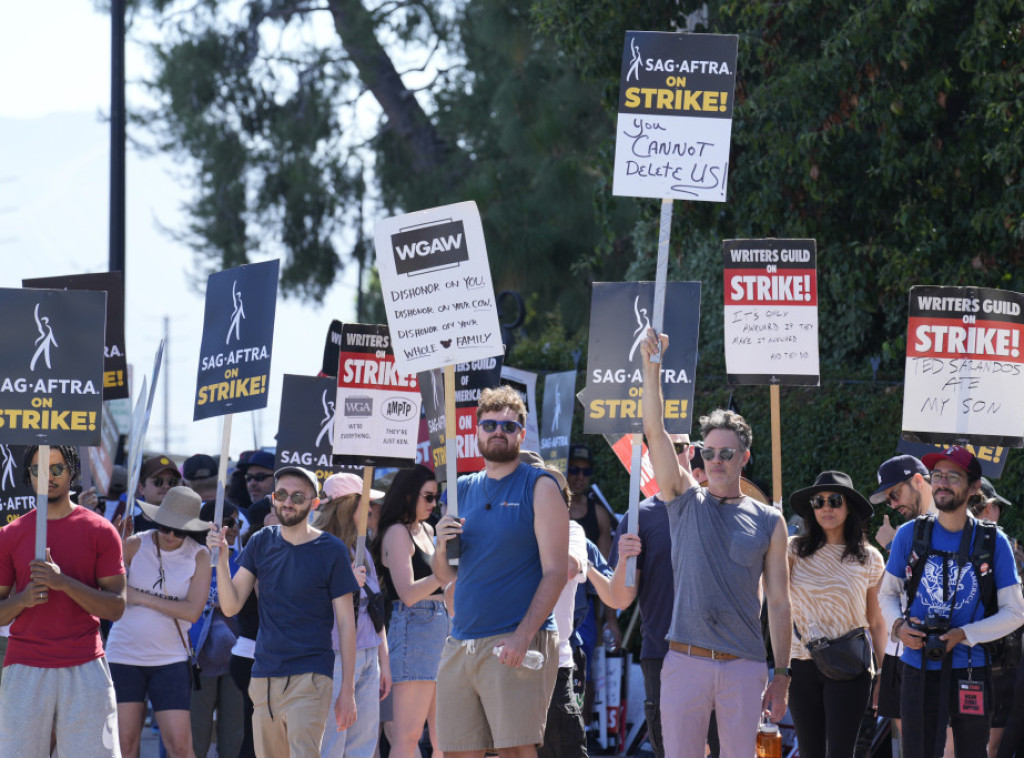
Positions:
{"x": 509, "y": 427}
{"x": 297, "y": 498}
{"x": 168, "y": 530}
{"x": 580, "y": 470}
{"x": 56, "y": 469}
{"x": 257, "y": 477}
{"x": 429, "y": 496}
{"x": 724, "y": 453}
{"x": 834, "y": 501}
{"x": 159, "y": 481}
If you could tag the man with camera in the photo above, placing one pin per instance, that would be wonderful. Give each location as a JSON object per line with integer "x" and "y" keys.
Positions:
{"x": 962, "y": 589}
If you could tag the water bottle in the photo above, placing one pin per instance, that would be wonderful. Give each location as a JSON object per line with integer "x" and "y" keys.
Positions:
{"x": 533, "y": 659}
{"x": 769, "y": 740}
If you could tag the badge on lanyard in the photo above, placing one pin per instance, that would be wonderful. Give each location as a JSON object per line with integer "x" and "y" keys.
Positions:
{"x": 972, "y": 698}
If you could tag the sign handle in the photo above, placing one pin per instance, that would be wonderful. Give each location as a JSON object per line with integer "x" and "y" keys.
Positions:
{"x": 42, "y": 501}
{"x": 363, "y": 514}
{"x": 776, "y": 413}
{"x": 222, "y": 478}
{"x": 634, "y": 501}
{"x": 661, "y": 273}
{"x": 451, "y": 455}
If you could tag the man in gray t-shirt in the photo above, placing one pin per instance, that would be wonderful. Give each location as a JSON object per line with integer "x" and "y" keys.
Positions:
{"x": 723, "y": 545}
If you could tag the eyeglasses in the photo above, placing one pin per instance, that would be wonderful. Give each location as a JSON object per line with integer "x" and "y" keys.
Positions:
{"x": 580, "y": 470}
{"x": 159, "y": 481}
{"x": 56, "y": 469}
{"x": 256, "y": 477}
{"x": 168, "y": 530}
{"x": 297, "y": 498}
{"x": 950, "y": 477}
{"x": 834, "y": 501}
{"x": 680, "y": 447}
{"x": 429, "y": 497}
{"x": 724, "y": 453}
{"x": 893, "y": 495}
{"x": 509, "y": 427}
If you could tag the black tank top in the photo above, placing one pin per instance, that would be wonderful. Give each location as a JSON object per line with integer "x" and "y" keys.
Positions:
{"x": 591, "y": 528}
{"x": 420, "y": 569}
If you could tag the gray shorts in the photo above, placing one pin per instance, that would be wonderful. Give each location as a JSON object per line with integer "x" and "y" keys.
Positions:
{"x": 76, "y": 703}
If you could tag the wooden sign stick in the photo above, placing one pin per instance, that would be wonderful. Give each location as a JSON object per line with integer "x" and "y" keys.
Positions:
{"x": 776, "y": 413}
{"x": 363, "y": 514}
{"x": 451, "y": 455}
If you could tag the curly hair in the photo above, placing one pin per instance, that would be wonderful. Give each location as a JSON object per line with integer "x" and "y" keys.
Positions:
{"x": 70, "y": 453}
{"x": 500, "y": 398}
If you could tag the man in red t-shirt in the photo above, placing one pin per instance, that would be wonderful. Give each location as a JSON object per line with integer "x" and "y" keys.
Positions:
{"x": 56, "y": 682}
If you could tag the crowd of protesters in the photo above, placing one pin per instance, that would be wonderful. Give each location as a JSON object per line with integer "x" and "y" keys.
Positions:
{"x": 314, "y": 635}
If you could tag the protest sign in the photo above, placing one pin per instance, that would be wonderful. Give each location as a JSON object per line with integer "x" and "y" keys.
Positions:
{"x": 16, "y": 497}
{"x": 332, "y": 348}
{"x": 470, "y": 379}
{"x": 771, "y": 311}
{"x": 378, "y": 405}
{"x": 238, "y": 334}
{"x": 305, "y": 429}
{"x": 964, "y": 382}
{"x": 556, "y": 422}
{"x": 51, "y": 366}
{"x": 437, "y": 287}
{"x": 675, "y": 115}
{"x": 525, "y": 383}
{"x": 619, "y": 318}
{"x": 115, "y": 366}
{"x": 992, "y": 459}
{"x": 102, "y": 456}
{"x": 622, "y": 446}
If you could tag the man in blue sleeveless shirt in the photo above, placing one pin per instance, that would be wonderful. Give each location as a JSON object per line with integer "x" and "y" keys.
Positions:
{"x": 514, "y": 530}
{"x": 723, "y": 545}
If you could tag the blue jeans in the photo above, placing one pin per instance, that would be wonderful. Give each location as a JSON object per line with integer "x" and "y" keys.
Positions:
{"x": 360, "y": 739}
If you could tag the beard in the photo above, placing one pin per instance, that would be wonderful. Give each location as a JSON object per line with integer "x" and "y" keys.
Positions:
{"x": 499, "y": 453}
{"x": 298, "y": 517}
{"x": 950, "y": 504}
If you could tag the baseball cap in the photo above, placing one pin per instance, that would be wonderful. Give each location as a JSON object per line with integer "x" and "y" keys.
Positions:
{"x": 155, "y": 464}
{"x": 894, "y": 471}
{"x": 199, "y": 466}
{"x": 961, "y": 456}
{"x": 258, "y": 458}
{"x": 580, "y": 453}
{"x": 989, "y": 491}
{"x": 345, "y": 483}
{"x": 305, "y": 473}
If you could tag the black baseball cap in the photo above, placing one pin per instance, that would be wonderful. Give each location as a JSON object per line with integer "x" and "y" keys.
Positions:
{"x": 580, "y": 453}
{"x": 893, "y": 472}
{"x": 199, "y": 466}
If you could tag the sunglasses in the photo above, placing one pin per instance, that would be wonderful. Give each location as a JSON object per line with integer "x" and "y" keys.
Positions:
{"x": 159, "y": 481}
{"x": 297, "y": 498}
{"x": 724, "y": 453}
{"x": 257, "y": 477}
{"x": 834, "y": 501}
{"x": 56, "y": 469}
{"x": 680, "y": 447}
{"x": 580, "y": 470}
{"x": 429, "y": 497}
{"x": 168, "y": 530}
{"x": 894, "y": 494}
{"x": 229, "y": 522}
{"x": 509, "y": 427}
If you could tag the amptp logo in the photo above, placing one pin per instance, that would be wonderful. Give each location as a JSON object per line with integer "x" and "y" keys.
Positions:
{"x": 429, "y": 247}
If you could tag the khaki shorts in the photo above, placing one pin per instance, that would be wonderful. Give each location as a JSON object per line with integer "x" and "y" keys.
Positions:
{"x": 483, "y": 705}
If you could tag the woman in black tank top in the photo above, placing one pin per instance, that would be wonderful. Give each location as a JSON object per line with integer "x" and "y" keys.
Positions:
{"x": 419, "y": 624}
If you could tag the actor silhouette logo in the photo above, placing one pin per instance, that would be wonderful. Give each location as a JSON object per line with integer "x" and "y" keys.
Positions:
{"x": 556, "y": 417}
{"x": 327, "y": 422}
{"x": 429, "y": 247}
{"x": 237, "y": 314}
{"x": 44, "y": 341}
{"x": 643, "y": 323}
{"x": 634, "y": 63}
{"x": 7, "y": 466}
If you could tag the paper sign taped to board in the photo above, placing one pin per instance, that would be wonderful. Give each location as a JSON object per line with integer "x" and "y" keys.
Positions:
{"x": 964, "y": 381}
{"x": 437, "y": 288}
{"x": 771, "y": 311}
{"x": 675, "y": 115}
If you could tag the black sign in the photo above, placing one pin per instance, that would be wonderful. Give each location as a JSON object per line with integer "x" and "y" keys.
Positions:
{"x": 992, "y": 458}
{"x": 620, "y": 314}
{"x": 332, "y": 346}
{"x": 16, "y": 497}
{"x": 430, "y": 247}
{"x": 305, "y": 430}
{"x": 51, "y": 366}
{"x": 115, "y": 364}
{"x": 238, "y": 335}
{"x": 556, "y": 421}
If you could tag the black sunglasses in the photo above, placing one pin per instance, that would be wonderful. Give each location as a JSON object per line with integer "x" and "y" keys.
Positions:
{"x": 578, "y": 470}
{"x": 509, "y": 427}
{"x": 429, "y": 497}
{"x": 181, "y": 533}
{"x": 256, "y": 477}
{"x": 229, "y": 522}
{"x": 171, "y": 481}
{"x": 680, "y": 447}
{"x": 835, "y": 500}
{"x": 56, "y": 469}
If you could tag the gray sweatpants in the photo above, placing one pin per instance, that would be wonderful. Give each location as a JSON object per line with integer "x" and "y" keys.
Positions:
{"x": 76, "y": 703}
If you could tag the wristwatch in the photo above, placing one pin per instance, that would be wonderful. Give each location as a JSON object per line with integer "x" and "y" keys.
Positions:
{"x": 782, "y": 671}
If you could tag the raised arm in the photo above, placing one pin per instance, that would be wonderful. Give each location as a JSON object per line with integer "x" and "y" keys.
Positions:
{"x": 673, "y": 479}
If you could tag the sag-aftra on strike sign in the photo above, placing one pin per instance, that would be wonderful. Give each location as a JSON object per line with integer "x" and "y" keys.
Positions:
{"x": 437, "y": 288}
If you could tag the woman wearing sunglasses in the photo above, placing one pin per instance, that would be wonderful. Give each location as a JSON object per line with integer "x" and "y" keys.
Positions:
{"x": 148, "y": 649}
{"x": 834, "y": 574}
{"x": 419, "y": 623}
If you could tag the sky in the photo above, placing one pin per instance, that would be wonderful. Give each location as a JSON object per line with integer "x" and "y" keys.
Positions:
{"x": 54, "y": 187}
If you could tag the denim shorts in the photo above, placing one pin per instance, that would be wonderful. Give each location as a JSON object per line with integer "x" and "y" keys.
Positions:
{"x": 169, "y": 687}
{"x": 416, "y": 639}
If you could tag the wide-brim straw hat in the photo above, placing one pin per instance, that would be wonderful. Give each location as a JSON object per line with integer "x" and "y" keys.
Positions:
{"x": 831, "y": 481}
{"x": 179, "y": 510}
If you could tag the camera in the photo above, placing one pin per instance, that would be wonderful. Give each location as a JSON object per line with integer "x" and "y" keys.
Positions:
{"x": 935, "y": 624}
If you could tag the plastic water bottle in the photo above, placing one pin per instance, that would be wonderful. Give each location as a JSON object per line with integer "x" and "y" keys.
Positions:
{"x": 769, "y": 740}
{"x": 533, "y": 659}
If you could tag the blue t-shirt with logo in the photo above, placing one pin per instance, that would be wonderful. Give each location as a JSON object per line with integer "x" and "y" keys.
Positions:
{"x": 936, "y": 596}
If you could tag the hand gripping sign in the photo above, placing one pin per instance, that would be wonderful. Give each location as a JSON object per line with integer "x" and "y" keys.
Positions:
{"x": 964, "y": 379}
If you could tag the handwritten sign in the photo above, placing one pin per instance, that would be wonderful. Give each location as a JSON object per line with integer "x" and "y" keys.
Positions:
{"x": 619, "y": 319}
{"x": 556, "y": 423}
{"x": 525, "y": 383}
{"x": 771, "y": 311}
{"x": 378, "y": 406}
{"x": 675, "y": 115}
{"x": 437, "y": 287}
{"x": 238, "y": 337}
{"x": 964, "y": 381}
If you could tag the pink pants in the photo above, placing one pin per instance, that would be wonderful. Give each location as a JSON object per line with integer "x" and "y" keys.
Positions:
{"x": 692, "y": 687}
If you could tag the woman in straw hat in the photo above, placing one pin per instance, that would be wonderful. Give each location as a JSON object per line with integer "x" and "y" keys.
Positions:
{"x": 834, "y": 575}
{"x": 148, "y": 649}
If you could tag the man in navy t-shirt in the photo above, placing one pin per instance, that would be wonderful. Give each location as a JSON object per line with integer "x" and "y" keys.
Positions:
{"x": 950, "y": 684}
{"x": 306, "y": 586}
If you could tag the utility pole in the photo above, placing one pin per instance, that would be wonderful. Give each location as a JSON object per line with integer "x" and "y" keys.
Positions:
{"x": 117, "y": 138}
{"x": 167, "y": 382}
